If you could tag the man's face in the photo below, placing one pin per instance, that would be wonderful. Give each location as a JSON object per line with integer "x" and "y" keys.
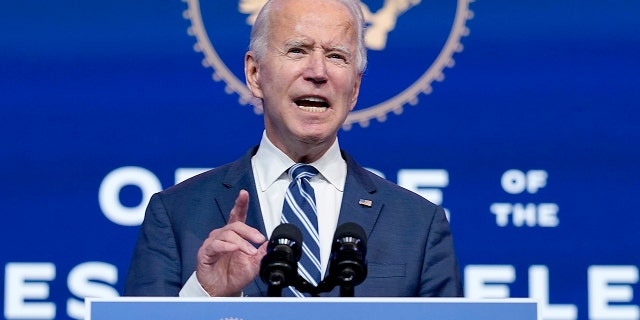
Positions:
{"x": 307, "y": 78}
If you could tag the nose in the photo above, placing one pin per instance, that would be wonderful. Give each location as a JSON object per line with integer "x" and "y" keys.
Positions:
{"x": 316, "y": 69}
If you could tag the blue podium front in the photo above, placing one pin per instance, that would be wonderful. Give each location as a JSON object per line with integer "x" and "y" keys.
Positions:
{"x": 312, "y": 308}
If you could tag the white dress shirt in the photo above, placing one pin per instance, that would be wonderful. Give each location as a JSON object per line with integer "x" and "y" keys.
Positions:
{"x": 269, "y": 167}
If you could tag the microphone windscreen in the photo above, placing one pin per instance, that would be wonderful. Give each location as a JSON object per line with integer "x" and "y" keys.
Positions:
{"x": 287, "y": 231}
{"x": 351, "y": 229}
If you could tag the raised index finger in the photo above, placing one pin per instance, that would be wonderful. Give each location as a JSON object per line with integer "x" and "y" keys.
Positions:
{"x": 239, "y": 214}
{"x": 240, "y": 208}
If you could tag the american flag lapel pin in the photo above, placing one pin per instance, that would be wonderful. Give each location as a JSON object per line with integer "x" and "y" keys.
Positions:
{"x": 365, "y": 202}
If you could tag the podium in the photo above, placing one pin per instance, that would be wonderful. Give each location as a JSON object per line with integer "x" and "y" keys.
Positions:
{"x": 311, "y": 308}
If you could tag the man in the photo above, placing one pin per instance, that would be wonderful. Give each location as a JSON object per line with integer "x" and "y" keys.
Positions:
{"x": 207, "y": 235}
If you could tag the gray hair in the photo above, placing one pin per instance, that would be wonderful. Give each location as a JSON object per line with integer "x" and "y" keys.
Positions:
{"x": 260, "y": 31}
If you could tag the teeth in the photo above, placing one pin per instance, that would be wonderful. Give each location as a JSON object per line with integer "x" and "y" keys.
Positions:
{"x": 312, "y": 104}
{"x": 313, "y": 109}
{"x": 314, "y": 99}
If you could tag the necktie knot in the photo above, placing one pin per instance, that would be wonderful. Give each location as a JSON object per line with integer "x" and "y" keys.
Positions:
{"x": 301, "y": 171}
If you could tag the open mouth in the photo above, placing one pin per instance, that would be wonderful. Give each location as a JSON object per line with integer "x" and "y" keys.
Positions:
{"x": 312, "y": 104}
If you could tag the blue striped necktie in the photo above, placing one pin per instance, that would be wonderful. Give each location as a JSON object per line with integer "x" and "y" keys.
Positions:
{"x": 300, "y": 209}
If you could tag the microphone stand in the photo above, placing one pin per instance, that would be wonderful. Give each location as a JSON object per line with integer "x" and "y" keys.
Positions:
{"x": 346, "y": 279}
{"x": 346, "y": 290}
{"x": 275, "y": 284}
{"x": 304, "y": 286}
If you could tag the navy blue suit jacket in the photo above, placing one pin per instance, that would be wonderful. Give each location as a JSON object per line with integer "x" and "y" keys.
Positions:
{"x": 410, "y": 249}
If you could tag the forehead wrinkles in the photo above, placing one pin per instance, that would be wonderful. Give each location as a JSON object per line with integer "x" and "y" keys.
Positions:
{"x": 342, "y": 37}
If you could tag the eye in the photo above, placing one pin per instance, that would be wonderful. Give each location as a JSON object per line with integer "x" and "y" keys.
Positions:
{"x": 339, "y": 57}
{"x": 295, "y": 51}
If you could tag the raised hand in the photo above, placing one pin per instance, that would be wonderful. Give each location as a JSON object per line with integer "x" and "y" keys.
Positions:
{"x": 228, "y": 259}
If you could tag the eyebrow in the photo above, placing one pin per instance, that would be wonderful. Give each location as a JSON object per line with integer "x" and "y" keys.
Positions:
{"x": 296, "y": 43}
{"x": 293, "y": 43}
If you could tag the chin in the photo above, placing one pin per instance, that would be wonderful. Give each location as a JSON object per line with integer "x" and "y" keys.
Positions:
{"x": 309, "y": 135}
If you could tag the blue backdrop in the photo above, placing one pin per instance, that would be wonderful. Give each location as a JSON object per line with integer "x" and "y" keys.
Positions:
{"x": 519, "y": 117}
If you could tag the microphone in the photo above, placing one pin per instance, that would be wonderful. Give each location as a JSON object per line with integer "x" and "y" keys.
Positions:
{"x": 279, "y": 267}
{"x": 347, "y": 262}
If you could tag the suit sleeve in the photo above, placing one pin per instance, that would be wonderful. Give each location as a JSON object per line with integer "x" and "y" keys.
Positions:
{"x": 155, "y": 266}
{"x": 440, "y": 273}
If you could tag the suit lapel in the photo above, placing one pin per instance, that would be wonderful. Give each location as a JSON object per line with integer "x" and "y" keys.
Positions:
{"x": 360, "y": 203}
{"x": 239, "y": 177}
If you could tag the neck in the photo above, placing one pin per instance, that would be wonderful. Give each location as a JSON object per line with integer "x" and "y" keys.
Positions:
{"x": 303, "y": 151}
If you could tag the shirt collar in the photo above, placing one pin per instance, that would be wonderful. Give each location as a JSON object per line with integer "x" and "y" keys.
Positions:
{"x": 271, "y": 164}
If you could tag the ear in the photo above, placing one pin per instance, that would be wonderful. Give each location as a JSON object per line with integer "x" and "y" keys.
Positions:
{"x": 252, "y": 74}
{"x": 356, "y": 91}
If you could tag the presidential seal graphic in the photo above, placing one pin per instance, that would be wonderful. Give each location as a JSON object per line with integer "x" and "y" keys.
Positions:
{"x": 410, "y": 43}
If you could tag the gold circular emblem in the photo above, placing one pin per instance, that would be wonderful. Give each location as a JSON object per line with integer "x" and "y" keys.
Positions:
{"x": 380, "y": 23}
